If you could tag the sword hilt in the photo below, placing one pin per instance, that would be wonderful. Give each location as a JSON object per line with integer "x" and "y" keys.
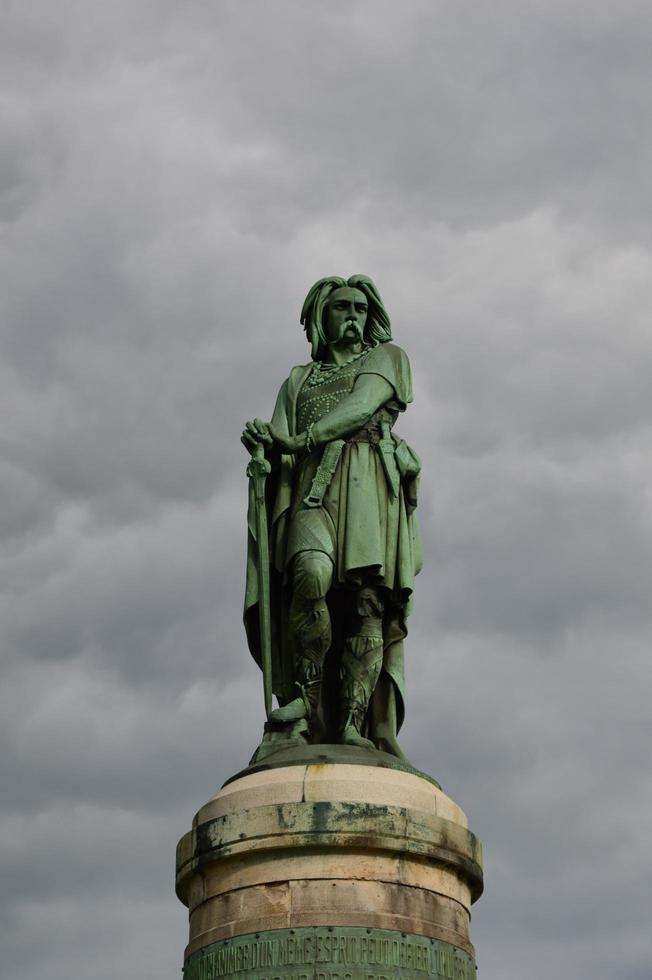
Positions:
{"x": 258, "y": 467}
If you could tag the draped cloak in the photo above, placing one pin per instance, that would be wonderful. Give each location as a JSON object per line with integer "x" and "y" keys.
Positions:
{"x": 370, "y": 534}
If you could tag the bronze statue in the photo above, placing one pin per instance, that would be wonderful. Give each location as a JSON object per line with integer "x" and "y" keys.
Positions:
{"x": 333, "y": 542}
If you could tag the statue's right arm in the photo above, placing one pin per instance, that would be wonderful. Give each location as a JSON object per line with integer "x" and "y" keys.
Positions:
{"x": 369, "y": 393}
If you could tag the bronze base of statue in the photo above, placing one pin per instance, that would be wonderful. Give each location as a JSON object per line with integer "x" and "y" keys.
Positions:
{"x": 298, "y": 752}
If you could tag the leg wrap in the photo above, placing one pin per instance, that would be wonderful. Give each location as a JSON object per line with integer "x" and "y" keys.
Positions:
{"x": 361, "y": 663}
{"x": 309, "y": 677}
{"x": 362, "y": 660}
{"x": 311, "y": 629}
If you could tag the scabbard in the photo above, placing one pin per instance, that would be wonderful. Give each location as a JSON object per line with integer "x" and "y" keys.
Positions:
{"x": 386, "y": 449}
{"x": 257, "y": 472}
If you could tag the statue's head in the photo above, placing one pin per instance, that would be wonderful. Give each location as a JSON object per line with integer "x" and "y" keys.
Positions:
{"x": 321, "y": 309}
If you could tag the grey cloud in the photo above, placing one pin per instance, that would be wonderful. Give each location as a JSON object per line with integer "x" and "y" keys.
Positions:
{"x": 173, "y": 179}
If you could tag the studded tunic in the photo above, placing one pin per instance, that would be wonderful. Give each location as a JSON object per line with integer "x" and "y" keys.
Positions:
{"x": 358, "y": 522}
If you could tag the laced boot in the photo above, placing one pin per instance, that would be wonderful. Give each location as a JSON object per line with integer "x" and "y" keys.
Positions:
{"x": 361, "y": 662}
{"x": 353, "y": 722}
{"x": 309, "y": 683}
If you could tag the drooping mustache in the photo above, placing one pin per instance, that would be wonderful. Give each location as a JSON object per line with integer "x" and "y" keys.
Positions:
{"x": 353, "y": 324}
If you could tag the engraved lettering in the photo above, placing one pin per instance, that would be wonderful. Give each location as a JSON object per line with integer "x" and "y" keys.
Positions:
{"x": 307, "y": 954}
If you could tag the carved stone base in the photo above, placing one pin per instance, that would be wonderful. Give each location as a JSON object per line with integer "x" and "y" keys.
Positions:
{"x": 329, "y": 870}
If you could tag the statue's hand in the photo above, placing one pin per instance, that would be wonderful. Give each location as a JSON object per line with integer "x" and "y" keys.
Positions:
{"x": 255, "y": 433}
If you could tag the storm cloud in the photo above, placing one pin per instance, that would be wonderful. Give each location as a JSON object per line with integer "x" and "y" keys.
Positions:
{"x": 173, "y": 179}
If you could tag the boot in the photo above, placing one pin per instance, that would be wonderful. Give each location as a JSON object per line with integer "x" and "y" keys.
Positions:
{"x": 361, "y": 662}
{"x": 353, "y": 723}
{"x": 309, "y": 672}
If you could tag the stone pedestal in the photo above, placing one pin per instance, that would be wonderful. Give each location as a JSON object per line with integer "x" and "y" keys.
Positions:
{"x": 329, "y": 870}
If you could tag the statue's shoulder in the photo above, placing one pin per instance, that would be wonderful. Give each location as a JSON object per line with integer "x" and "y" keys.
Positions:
{"x": 388, "y": 349}
{"x": 391, "y": 362}
{"x": 387, "y": 352}
{"x": 299, "y": 371}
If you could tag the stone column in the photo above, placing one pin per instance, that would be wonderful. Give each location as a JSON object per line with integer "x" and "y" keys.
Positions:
{"x": 332, "y": 872}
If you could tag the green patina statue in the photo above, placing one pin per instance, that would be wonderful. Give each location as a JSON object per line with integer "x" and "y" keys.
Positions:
{"x": 333, "y": 542}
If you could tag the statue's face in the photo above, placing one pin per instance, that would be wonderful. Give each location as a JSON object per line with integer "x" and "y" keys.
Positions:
{"x": 346, "y": 315}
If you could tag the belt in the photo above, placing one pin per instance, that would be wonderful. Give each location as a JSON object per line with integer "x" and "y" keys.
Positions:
{"x": 369, "y": 433}
{"x": 376, "y": 435}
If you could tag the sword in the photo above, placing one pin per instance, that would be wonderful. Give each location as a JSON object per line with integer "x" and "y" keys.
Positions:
{"x": 257, "y": 471}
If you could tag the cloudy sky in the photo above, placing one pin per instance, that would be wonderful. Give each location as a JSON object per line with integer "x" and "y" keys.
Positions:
{"x": 173, "y": 178}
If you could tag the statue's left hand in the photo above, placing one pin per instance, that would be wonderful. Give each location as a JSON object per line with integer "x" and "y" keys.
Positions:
{"x": 256, "y": 432}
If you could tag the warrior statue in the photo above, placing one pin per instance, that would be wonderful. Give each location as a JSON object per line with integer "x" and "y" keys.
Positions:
{"x": 341, "y": 544}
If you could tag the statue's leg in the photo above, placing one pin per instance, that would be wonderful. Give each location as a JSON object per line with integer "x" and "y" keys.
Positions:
{"x": 312, "y": 574}
{"x": 362, "y": 660}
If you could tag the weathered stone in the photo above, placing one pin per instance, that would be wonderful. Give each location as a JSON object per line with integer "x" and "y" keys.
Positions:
{"x": 310, "y": 851}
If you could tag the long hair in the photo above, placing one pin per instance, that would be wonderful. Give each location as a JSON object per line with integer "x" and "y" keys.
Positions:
{"x": 377, "y": 330}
